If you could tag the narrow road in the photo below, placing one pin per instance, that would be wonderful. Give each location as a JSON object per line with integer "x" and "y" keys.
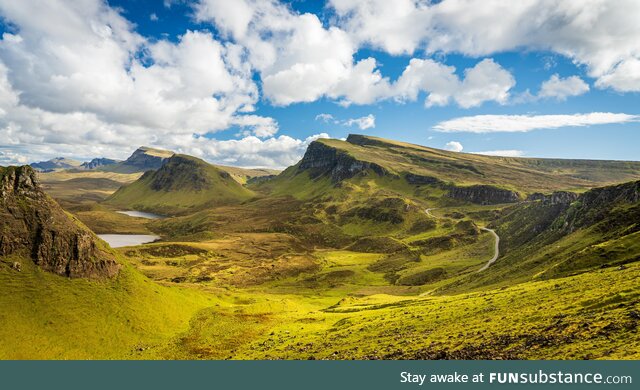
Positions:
{"x": 496, "y": 247}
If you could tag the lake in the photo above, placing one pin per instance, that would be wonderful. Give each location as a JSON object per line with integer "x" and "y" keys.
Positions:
{"x": 120, "y": 240}
{"x": 141, "y": 214}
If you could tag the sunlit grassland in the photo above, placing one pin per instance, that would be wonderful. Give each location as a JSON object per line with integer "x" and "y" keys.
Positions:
{"x": 46, "y": 316}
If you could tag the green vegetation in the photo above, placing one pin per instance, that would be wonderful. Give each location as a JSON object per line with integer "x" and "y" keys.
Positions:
{"x": 183, "y": 184}
{"x": 337, "y": 257}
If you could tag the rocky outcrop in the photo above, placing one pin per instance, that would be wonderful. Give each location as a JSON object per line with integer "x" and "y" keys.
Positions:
{"x": 147, "y": 159}
{"x": 322, "y": 159}
{"x": 422, "y": 180}
{"x": 556, "y": 198}
{"x": 98, "y": 162}
{"x": 33, "y": 225}
{"x": 619, "y": 205}
{"x": 483, "y": 194}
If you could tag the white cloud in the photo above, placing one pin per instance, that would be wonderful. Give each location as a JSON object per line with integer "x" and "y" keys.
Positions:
{"x": 326, "y": 118}
{"x": 524, "y": 123}
{"x": 153, "y": 17}
{"x": 454, "y": 146}
{"x": 486, "y": 81}
{"x": 625, "y": 77}
{"x": 603, "y": 35}
{"x": 365, "y": 122}
{"x": 76, "y": 79}
{"x": 502, "y": 153}
{"x": 561, "y": 88}
{"x": 299, "y": 60}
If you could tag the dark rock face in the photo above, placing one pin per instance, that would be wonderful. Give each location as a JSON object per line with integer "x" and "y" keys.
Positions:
{"x": 143, "y": 160}
{"x": 322, "y": 159}
{"x": 98, "y": 162}
{"x": 32, "y": 224}
{"x": 422, "y": 180}
{"x": 483, "y": 194}
{"x": 556, "y": 198}
{"x": 599, "y": 204}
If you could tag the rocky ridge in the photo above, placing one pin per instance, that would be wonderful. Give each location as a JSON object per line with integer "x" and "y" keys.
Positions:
{"x": 33, "y": 225}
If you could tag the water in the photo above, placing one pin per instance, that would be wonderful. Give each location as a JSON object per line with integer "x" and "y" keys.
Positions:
{"x": 141, "y": 214}
{"x": 120, "y": 240}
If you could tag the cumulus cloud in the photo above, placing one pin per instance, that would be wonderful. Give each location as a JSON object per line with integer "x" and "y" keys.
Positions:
{"x": 561, "y": 88}
{"x": 363, "y": 123}
{"x": 299, "y": 60}
{"x": 524, "y": 123}
{"x": 600, "y": 34}
{"x": 75, "y": 78}
{"x": 502, "y": 153}
{"x": 454, "y": 146}
{"x": 486, "y": 81}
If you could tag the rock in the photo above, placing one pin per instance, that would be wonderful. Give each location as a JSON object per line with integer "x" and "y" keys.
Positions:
{"x": 16, "y": 266}
{"x": 147, "y": 159}
{"x": 339, "y": 165}
{"x": 556, "y": 198}
{"x": 422, "y": 180}
{"x": 32, "y": 224}
{"x": 98, "y": 162}
{"x": 483, "y": 194}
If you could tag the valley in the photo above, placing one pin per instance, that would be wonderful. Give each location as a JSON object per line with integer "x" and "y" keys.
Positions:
{"x": 365, "y": 249}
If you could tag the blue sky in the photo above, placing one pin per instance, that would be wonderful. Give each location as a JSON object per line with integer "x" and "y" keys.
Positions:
{"x": 574, "y": 88}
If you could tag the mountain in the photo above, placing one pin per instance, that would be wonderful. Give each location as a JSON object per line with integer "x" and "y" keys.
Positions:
{"x": 98, "y": 163}
{"x": 183, "y": 184}
{"x": 565, "y": 234}
{"x": 142, "y": 160}
{"x": 468, "y": 177}
{"x": 55, "y": 164}
{"x": 33, "y": 225}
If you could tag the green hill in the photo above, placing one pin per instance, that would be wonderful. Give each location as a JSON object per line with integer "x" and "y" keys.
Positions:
{"x": 183, "y": 184}
{"x": 476, "y": 178}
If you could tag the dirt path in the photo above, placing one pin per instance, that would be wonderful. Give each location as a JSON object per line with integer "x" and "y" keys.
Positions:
{"x": 496, "y": 247}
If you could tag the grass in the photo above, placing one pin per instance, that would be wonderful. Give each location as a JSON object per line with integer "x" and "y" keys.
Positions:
{"x": 305, "y": 267}
{"x": 46, "y": 316}
{"x": 184, "y": 184}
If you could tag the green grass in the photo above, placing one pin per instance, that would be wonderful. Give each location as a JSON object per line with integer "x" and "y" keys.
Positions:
{"x": 46, "y": 316}
{"x": 184, "y": 184}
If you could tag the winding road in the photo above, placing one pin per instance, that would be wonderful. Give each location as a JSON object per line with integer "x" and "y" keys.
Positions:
{"x": 496, "y": 248}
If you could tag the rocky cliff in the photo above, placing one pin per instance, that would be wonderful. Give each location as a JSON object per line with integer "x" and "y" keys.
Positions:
{"x": 33, "y": 225}
{"x": 483, "y": 194}
{"x": 147, "y": 159}
{"x": 98, "y": 162}
{"x": 322, "y": 159}
{"x": 555, "y": 198}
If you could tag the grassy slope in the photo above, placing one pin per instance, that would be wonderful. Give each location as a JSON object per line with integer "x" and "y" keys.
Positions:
{"x": 46, "y": 316}
{"x": 524, "y": 174}
{"x": 204, "y": 186}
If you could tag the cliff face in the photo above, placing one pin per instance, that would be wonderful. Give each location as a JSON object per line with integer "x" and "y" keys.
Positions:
{"x": 33, "y": 225}
{"x": 147, "y": 159}
{"x": 483, "y": 194}
{"x": 322, "y": 159}
{"x": 556, "y": 198}
{"x": 98, "y": 162}
{"x": 612, "y": 206}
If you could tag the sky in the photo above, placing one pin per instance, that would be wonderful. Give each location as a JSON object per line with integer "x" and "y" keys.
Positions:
{"x": 251, "y": 83}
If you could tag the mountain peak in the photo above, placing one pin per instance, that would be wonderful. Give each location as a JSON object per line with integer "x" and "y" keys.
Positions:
{"x": 32, "y": 224}
{"x": 147, "y": 159}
